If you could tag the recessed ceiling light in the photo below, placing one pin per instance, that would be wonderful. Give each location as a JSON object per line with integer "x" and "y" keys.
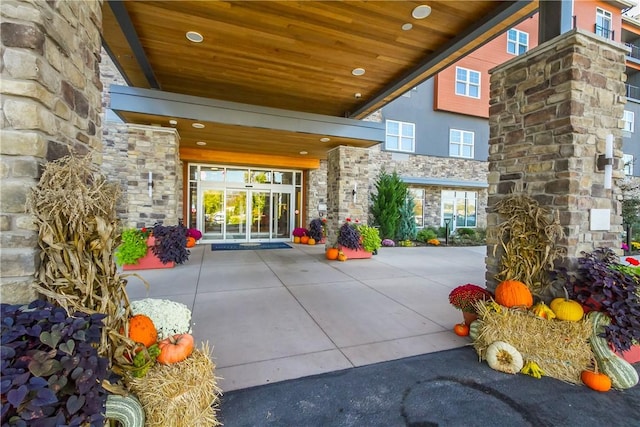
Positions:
{"x": 173, "y": 122}
{"x": 421, "y": 12}
{"x": 201, "y": 143}
{"x": 194, "y": 37}
{"x": 357, "y": 95}
{"x": 304, "y": 153}
{"x": 198, "y": 125}
{"x": 357, "y": 71}
{"x": 325, "y": 139}
{"x": 407, "y": 26}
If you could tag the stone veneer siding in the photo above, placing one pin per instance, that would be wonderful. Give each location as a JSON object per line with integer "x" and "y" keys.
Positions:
{"x": 50, "y": 105}
{"x": 550, "y": 112}
{"x": 346, "y": 168}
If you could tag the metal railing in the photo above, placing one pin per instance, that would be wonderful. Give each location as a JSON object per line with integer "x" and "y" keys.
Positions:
{"x": 607, "y": 33}
{"x": 635, "y": 50}
{"x": 633, "y": 91}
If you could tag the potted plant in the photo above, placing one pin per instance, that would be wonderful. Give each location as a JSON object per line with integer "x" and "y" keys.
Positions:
{"x": 170, "y": 243}
{"x": 465, "y": 297}
{"x": 298, "y": 233}
{"x": 133, "y": 246}
{"x": 370, "y": 238}
{"x": 350, "y": 240}
{"x": 316, "y": 229}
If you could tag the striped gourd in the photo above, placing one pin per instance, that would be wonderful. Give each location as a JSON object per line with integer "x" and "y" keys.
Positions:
{"x": 622, "y": 374}
{"x": 475, "y": 328}
{"x": 127, "y": 410}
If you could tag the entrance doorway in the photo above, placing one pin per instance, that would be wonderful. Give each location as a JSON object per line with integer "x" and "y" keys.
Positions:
{"x": 262, "y": 208}
{"x": 460, "y": 208}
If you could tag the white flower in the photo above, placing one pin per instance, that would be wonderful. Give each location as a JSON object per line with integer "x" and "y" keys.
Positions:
{"x": 169, "y": 317}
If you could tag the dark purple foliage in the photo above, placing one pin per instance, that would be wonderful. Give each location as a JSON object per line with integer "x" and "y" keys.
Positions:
{"x": 51, "y": 373}
{"x": 601, "y": 285}
{"x": 315, "y": 229}
{"x": 349, "y": 236}
{"x": 171, "y": 242}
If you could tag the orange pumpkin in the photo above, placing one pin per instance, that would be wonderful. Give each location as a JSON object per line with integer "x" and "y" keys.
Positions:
{"x": 311, "y": 241}
{"x": 296, "y": 239}
{"x": 332, "y": 254}
{"x": 461, "y": 330}
{"x": 304, "y": 240}
{"x": 513, "y": 293}
{"x": 596, "y": 380}
{"x": 191, "y": 242}
{"x": 142, "y": 330}
{"x": 175, "y": 348}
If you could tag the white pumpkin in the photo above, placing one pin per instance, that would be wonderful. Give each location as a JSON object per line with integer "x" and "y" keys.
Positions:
{"x": 504, "y": 357}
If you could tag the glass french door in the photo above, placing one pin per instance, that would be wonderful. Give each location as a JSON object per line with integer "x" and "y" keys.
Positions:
{"x": 459, "y": 207}
{"x": 245, "y": 215}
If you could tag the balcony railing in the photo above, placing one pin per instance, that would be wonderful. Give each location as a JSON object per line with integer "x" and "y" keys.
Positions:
{"x": 607, "y": 33}
{"x": 633, "y": 91}
{"x": 635, "y": 50}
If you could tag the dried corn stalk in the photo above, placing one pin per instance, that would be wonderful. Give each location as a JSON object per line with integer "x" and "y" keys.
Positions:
{"x": 74, "y": 208}
{"x": 528, "y": 237}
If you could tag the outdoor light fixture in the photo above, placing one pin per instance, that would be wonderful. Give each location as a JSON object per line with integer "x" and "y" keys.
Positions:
{"x": 150, "y": 184}
{"x": 605, "y": 162}
{"x": 354, "y": 191}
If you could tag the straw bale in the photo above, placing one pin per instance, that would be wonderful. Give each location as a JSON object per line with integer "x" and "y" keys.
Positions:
{"x": 560, "y": 348}
{"x": 183, "y": 394}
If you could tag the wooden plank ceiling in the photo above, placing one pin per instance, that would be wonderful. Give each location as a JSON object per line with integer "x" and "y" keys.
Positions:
{"x": 293, "y": 55}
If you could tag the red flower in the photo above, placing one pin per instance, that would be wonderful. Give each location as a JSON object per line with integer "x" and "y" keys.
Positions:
{"x": 348, "y": 219}
{"x": 632, "y": 261}
{"x": 144, "y": 229}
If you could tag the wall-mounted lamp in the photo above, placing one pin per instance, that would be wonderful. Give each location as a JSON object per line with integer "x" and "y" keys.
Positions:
{"x": 353, "y": 192}
{"x": 605, "y": 162}
{"x": 150, "y": 184}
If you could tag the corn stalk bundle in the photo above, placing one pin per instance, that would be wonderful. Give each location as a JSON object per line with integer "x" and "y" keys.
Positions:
{"x": 528, "y": 236}
{"x": 75, "y": 210}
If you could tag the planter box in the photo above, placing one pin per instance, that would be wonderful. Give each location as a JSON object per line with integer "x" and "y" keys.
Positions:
{"x": 149, "y": 261}
{"x": 355, "y": 254}
{"x": 632, "y": 355}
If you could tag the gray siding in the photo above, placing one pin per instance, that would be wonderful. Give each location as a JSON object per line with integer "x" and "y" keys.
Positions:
{"x": 432, "y": 127}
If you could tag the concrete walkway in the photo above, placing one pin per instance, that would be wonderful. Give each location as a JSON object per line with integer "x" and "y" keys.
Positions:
{"x": 278, "y": 314}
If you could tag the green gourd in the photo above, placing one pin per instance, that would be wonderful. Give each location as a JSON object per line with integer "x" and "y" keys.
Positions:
{"x": 127, "y": 410}
{"x": 621, "y": 373}
{"x": 475, "y": 328}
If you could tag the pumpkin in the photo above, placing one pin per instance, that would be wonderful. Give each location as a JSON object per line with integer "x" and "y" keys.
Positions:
{"x": 126, "y": 409}
{"x": 175, "y": 349}
{"x": 461, "y": 329}
{"x": 296, "y": 239}
{"x": 191, "y": 242}
{"x": 142, "y": 330}
{"x": 304, "y": 240}
{"x": 543, "y": 311}
{"x": 332, "y": 253}
{"x": 622, "y": 374}
{"x": 341, "y": 256}
{"x": 503, "y": 357}
{"x": 311, "y": 241}
{"x": 513, "y": 293}
{"x": 566, "y": 309}
{"x": 596, "y": 380}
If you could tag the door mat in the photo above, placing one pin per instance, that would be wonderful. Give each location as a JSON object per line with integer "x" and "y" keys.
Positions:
{"x": 248, "y": 246}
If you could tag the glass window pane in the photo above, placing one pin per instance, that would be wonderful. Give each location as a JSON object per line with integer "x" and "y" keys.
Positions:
{"x": 473, "y": 91}
{"x": 466, "y": 151}
{"x": 474, "y": 77}
{"x": 524, "y": 38}
{"x": 237, "y": 175}
{"x": 261, "y": 177}
{"x": 211, "y": 174}
{"x": 468, "y": 137}
{"x": 393, "y": 128}
{"x": 461, "y": 74}
{"x": 454, "y": 150}
{"x": 461, "y": 88}
{"x": 392, "y": 142}
{"x": 407, "y": 130}
{"x": 454, "y": 136}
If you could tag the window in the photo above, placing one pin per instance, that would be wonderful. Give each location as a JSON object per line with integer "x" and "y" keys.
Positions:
{"x": 467, "y": 82}
{"x": 461, "y": 143}
{"x": 627, "y": 159}
{"x": 628, "y": 117}
{"x": 517, "y": 42}
{"x": 418, "y": 205}
{"x": 603, "y": 23}
{"x": 460, "y": 208}
{"x": 400, "y": 136}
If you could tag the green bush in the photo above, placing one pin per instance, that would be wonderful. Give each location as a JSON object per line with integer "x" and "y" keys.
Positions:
{"x": 468, "y": 232}
{"x": 132, "y": 248}
{"x": 387, "y": 202}
{"x": 407, "y": 224}
{"x": 426, "y": 234}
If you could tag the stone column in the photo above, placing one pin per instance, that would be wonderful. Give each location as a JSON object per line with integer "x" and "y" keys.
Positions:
{"x": 347, "y": 169}
{"x": 50, "y": 104}
{"x": 152, "y": 149}
{"x": 550, "y": 113}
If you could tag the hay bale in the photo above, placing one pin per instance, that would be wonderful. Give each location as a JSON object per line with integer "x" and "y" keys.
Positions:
{"x": 560, "y": 348}
{"x": 184, "y": 394}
